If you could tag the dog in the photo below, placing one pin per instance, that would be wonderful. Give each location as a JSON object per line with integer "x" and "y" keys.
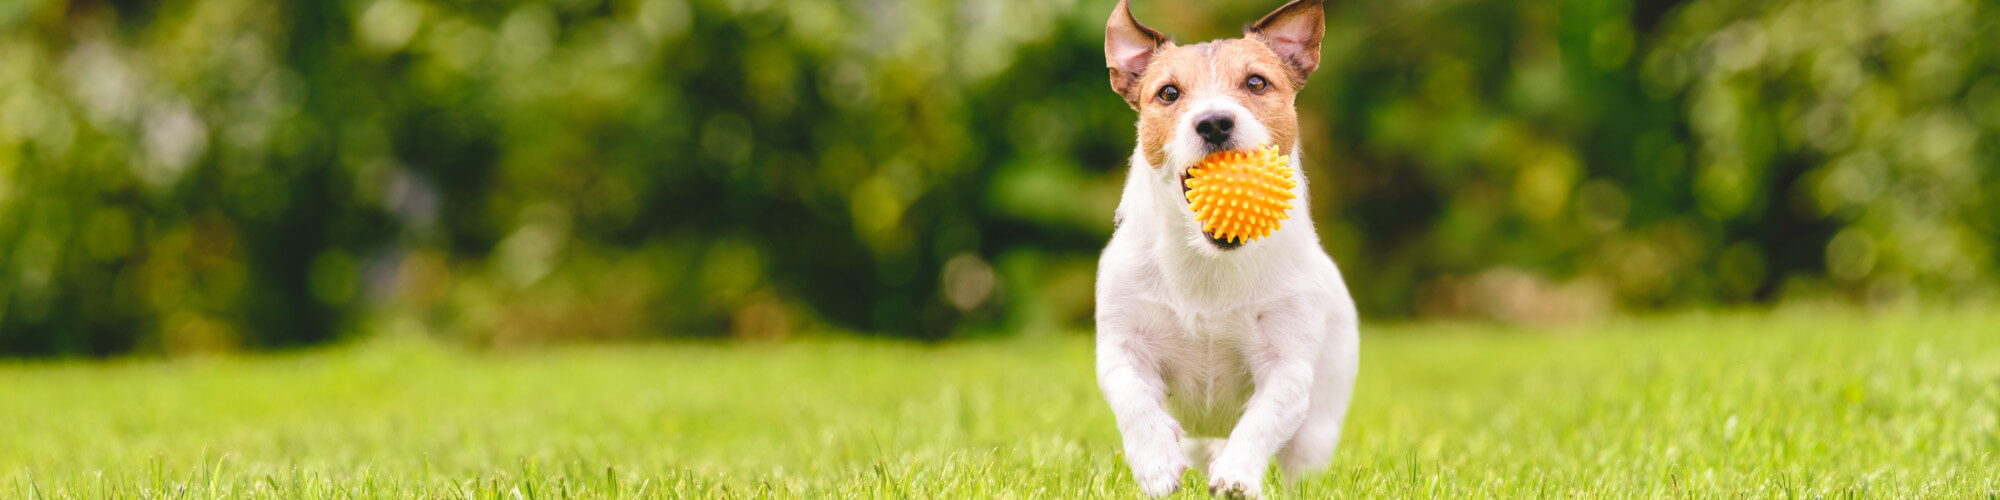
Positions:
{"x": 1211, "y": 352}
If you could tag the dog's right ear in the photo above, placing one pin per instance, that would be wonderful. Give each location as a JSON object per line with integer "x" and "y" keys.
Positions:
{"x": 1128, "y": 47}
{"x": 1294, "y": 32}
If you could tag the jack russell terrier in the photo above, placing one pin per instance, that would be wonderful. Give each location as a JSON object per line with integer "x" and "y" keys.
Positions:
{"x": 1219, "y": 352}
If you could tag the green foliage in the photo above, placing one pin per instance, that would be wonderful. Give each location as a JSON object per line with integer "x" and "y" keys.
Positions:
{"x": 1805, "y": 403}
{"x": 198, "y": 175}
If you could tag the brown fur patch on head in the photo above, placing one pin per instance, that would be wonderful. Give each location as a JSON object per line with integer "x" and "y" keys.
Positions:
{"x": 1218, "y": 68}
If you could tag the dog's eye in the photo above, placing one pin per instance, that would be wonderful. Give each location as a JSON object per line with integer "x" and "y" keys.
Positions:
{"x": 1256, "y": 84}
{"x": 1169, "y": 94}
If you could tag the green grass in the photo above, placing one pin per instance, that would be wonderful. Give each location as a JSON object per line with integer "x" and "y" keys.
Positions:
{"x": 1803, "y": 403}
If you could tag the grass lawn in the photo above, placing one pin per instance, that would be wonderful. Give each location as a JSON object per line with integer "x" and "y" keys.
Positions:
{"x": 1795, "y": 403}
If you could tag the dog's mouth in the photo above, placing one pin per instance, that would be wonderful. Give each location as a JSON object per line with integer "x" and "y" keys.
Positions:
{"x": 1205, "y": 234}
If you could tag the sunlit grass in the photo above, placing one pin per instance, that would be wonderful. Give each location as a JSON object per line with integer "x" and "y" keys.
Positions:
{"x": 1798, "y": 403}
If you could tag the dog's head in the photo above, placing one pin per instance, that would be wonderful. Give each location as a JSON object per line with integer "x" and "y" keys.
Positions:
{"x": 1223, "y": 95}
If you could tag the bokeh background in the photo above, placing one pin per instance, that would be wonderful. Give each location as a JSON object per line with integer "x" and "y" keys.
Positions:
{"x": 189, "y": 176}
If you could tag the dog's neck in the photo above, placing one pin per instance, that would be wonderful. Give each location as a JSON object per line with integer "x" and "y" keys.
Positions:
{"x": 1195, "y": 269}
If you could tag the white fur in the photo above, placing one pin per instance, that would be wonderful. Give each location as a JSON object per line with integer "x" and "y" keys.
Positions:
{"x": 1186, "y": 147}
{"x": 1255, "y": 346}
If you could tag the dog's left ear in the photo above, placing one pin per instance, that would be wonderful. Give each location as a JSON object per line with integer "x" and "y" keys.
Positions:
{"x": 1128, "y": 49}
{"x": 1294, "y": 32}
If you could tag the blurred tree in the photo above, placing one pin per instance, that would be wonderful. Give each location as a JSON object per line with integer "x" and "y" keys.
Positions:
{"x": 204, "y": 175}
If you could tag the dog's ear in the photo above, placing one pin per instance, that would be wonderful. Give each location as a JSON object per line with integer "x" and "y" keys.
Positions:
{"x": 1294, "y": 32}
{"x": 1128, "y": 47}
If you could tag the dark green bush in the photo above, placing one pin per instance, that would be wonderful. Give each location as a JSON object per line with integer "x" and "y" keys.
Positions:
{"x": 197, "y": 175}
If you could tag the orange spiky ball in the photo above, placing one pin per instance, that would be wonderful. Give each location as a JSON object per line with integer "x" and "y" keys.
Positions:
{"x": 1241, "y": 196}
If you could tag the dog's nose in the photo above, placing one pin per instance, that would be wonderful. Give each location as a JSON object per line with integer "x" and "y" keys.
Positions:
{"x": 1214, "y": 128}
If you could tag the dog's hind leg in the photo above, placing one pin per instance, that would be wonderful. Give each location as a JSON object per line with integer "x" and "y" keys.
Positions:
{"x": 1201, "y": 451}
{"x": 1311, "y": 449}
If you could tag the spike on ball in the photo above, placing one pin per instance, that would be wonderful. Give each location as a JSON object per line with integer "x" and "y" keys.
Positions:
{"x": 1241, "y": 196}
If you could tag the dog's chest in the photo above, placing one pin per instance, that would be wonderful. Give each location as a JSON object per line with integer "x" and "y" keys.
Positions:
{"x": 1207, "y": 369}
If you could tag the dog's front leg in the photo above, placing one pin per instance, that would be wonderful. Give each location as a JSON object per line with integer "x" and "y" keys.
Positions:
{"x": 1132, "y": 385}
{"x": 1281, "y": 357}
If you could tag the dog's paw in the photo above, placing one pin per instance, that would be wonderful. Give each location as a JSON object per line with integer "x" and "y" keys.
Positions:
{"x": 1162, "y": 479}
{"x": 1234, "y": 486}
{"x": 1156, "y": 459}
